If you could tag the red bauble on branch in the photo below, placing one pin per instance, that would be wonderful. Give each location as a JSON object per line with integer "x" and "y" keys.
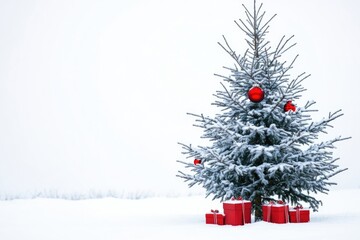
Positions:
{"x": 256, "y": 94}
{"x": 197, "y": 161}
{"x": 289, "y": 106}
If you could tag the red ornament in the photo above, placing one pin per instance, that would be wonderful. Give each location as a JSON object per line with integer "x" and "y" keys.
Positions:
{"x": 256, "y": 94}
{"x": 289, "y": 106}
{"x": 197, "y": 161}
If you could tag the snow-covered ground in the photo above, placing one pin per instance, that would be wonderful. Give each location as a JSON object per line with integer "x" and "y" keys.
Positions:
{"x": 165, "y": 218}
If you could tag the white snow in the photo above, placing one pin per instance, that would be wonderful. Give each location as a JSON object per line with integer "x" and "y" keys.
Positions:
{"x": 236, "y": 201}
{"x": 166, "y": 218}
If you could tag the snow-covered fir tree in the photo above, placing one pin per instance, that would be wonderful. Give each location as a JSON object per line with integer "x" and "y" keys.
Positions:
{"x": 261, "y": 149}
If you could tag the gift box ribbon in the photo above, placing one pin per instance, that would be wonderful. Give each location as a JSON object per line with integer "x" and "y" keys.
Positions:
{"x": 268, "y": 217}
{"x": 286, "y": 213}
{"x": 297, "y": 208}
{"x": 286, "y": 210}
{"x": 215, "y": 212}
{"x": 243, "y": 207}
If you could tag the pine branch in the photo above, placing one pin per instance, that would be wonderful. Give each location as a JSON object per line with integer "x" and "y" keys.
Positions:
{"x": 261, "y": 17}
{"x": 287, "y": 49}
{"x": 290, "y": 66}
{"x": 225, "y": 78}
{"x": 263, "y": 46}
{"x": 333, "y": 174}
{"x": 278, "y": 47}
{"x": 319, "y": 126}
{"x": 229, "y": 95}
{"x": 247, "y": 11}
{"x": 267, "y": 23}
{"x": 244, "y": 28}
{"x": 281, "y": 51}
{"x": 259, "y": 9}
{"x": 230, "y": 51}
{"x": 234, "y": 56}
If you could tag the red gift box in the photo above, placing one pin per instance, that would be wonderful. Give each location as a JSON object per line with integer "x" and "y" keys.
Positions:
{"x": 299, "y": 215}
{"x": 215, "y": 218}
{"x": 237, "y": 212}
{"x": 276, "y": 212}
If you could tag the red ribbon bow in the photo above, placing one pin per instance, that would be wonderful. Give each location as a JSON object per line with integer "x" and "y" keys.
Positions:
{"x": 276, "y": 202}
{"x": 238, "y": 198}
{"x": 298, "y": 207}
{"x": 215, "y": 212}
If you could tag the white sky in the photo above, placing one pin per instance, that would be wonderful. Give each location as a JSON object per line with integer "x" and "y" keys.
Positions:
{"x": 94, "y": 94}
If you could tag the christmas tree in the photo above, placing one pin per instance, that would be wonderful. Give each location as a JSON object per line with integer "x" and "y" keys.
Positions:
{"x": 261, "y": 145}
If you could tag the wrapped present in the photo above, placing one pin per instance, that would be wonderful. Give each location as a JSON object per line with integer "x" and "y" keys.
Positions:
{"x": 237, "y": 211}
{"x": 215, "y": 218}
{"x": 299, "y": 215}
{"x": 276, "y": 212}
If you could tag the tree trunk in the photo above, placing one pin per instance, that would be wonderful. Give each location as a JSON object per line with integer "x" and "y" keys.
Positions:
{"x": 257, "y": 208}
